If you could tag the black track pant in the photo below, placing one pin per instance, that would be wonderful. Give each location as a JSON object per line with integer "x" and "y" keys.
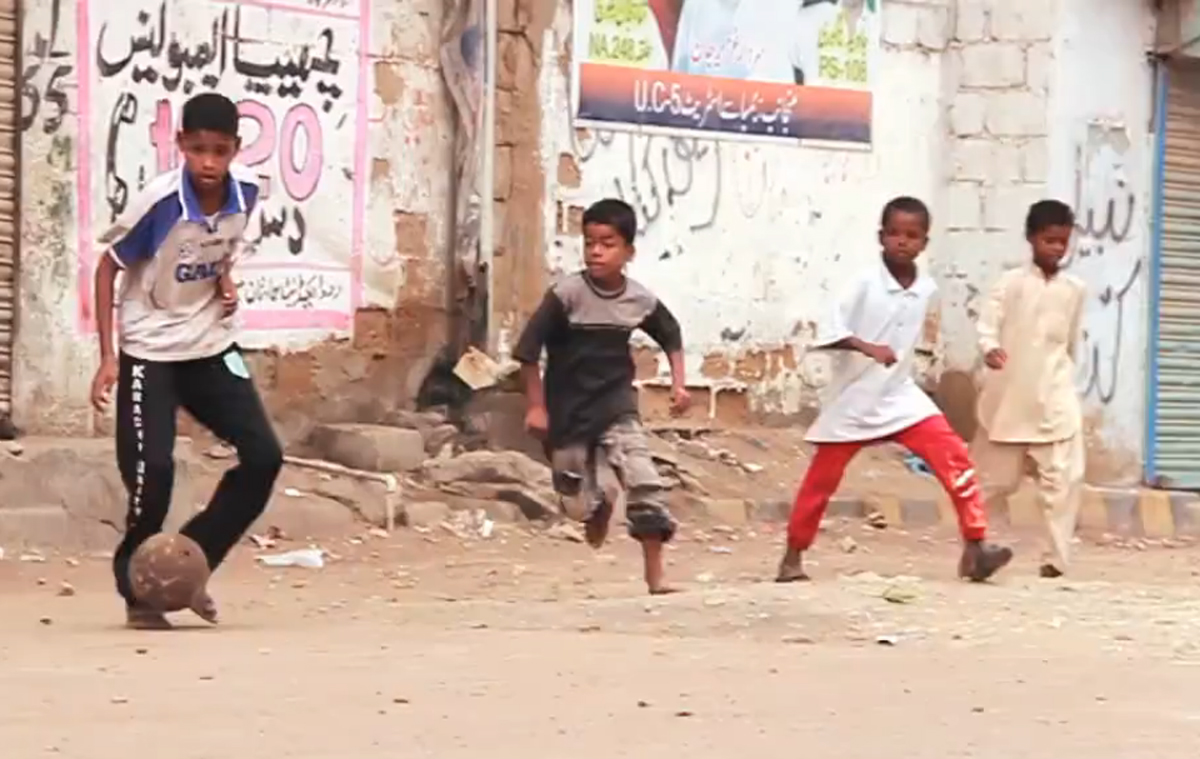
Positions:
{"x": 219, "y": 393}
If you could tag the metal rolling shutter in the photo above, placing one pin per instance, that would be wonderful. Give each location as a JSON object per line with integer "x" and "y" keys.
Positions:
{"x": 1177, "y": 398}
{"x": 9, "y": 39}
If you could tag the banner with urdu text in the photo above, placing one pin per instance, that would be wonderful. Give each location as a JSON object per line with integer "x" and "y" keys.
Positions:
{"x": 790, "y": 69}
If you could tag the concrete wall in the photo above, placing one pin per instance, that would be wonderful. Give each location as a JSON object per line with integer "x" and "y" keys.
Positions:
{"x": 749, "y": 242}
{"x": 981, "y": 108}
{"x": 1054, "y": 99}
{"x": 356, "y": 159}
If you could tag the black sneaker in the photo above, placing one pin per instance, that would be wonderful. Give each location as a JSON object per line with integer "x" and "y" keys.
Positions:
{"x": 981, "y": 560}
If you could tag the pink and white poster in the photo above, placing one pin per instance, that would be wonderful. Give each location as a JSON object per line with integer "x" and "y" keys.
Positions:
{"x": 297, "y": 69}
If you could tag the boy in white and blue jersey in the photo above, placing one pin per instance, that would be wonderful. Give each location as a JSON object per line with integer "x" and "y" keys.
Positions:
{"x": 174, "y": 247}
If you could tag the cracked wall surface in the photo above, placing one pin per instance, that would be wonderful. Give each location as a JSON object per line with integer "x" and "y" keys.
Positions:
{"x": 1054, "y": 99}
{"x": 346, "y": 119}
{"x": 981, "y": 108}
{"x": 749, "y": 242}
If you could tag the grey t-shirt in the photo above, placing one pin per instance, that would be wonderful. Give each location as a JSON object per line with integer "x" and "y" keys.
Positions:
{"x": 589, "y": 369}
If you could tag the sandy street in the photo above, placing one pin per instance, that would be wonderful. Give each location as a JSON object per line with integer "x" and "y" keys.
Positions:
{"x": 524, "y": 646}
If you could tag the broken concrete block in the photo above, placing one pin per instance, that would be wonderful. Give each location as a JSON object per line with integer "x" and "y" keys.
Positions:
{"x": 437, "y": 437}
{"x": 370, "y": 447}
{"x": 35, "y": 526}
{"x": 425, "y": 513}
{"x": 307, "y": 516}
{"x": 488, "y": 466}
{"x": 535, "y": 505}
{"x": 413, "y": 420}
{"x": 727, "y": 511}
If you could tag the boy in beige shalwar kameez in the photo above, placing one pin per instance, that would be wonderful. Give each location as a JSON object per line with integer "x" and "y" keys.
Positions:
{"x": 1028, "y": 408}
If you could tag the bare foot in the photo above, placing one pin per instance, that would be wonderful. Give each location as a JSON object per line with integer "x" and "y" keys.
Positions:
{"x": 663, "y": 590}
{"x": 652, "y": 556}
{"x": 595, "y": 529}
{"x": 145, "y": 619}
{"x": 791, "y": 568}
{"x": 204, "y": 607}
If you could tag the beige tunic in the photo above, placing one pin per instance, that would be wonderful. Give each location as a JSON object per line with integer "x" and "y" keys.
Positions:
{"x": 1036, "y": 321}
{"x": 1029, "y": 411}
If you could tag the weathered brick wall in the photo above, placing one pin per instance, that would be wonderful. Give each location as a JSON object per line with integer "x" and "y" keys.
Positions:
{"x": 350, "y": 309}
{"x": 527, "y": 47}
{"x": 1052, "y": 99}
{"x": 749, "y": 242}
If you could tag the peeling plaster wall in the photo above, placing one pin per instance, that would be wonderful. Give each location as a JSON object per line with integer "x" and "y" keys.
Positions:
{"x": 352, "y": 316}
{"x": 1054, "y": 99}
{"x": 1101, "y": 160}
{"x": 981, "y": 108}
{"x": 749, "y": 242}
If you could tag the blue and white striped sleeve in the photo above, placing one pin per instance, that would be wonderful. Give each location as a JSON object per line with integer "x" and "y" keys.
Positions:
{"x": 136, "y": 234}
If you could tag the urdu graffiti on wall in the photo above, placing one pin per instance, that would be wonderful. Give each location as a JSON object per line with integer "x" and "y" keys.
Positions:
{"x": 295, "y": 69}
{"x": 1105, "y": 253}
{"x": 678, "y": 185}
{"x": 47, "y": 74}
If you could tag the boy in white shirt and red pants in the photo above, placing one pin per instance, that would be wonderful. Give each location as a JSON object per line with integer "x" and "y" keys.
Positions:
{"x": 874, "y": 399}
{"x": 1029, "y": 409}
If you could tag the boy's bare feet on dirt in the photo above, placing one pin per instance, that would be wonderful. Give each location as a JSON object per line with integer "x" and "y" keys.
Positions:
{"x": 663, "y": 590}
{"x": 141, "y": 618}
{"x": 652, "y": 555}
{"x": 204, "y": 607}
{"x": 595, "y": 529}
{"x": 791, "y": 568}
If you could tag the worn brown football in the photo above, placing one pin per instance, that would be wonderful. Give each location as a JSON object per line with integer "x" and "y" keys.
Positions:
{"x": 167, "y": 572}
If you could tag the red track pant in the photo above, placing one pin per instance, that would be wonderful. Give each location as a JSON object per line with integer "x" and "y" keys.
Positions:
{"x": 932, "y": 439}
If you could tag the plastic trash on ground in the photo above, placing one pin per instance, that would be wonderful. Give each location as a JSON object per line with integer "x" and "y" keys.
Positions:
{"x": 308, "y": 558}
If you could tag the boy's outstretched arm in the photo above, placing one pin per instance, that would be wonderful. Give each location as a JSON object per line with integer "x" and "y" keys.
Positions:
{"x": 129, "y": 241}
{"x": 242, "y": 248}
{"x": 663, "y": 328}
{"x": 549, "y": 318}
{"x": 834, "y": 331}
{"x": 537, "y": 419}
{"x": 106, "y": 374}
{"x": 991, "y": 319}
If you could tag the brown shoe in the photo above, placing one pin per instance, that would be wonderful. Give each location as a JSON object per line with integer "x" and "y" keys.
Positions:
{"x": 1049, "y": 572}
{"x": 981, "y": 560}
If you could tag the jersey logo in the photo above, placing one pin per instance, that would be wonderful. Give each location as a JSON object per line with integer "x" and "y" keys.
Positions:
{"x": 197, "y": 272}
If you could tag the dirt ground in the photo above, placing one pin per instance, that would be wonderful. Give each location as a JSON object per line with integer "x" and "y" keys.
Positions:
{"x": 523, "y": 645}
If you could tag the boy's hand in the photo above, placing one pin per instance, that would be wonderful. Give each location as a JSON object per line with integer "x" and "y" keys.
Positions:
{"x": 102, "y": 383}
{"x": 681, "y": 400}
{"x": 996, "y": 358}
{"x": 881, "y": 354}
{"x": 537, "y": 421}
{"x": 229, "y": 294}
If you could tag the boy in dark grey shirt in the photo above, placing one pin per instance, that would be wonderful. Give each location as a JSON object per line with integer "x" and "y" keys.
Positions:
{"x": 587, "y": 409}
